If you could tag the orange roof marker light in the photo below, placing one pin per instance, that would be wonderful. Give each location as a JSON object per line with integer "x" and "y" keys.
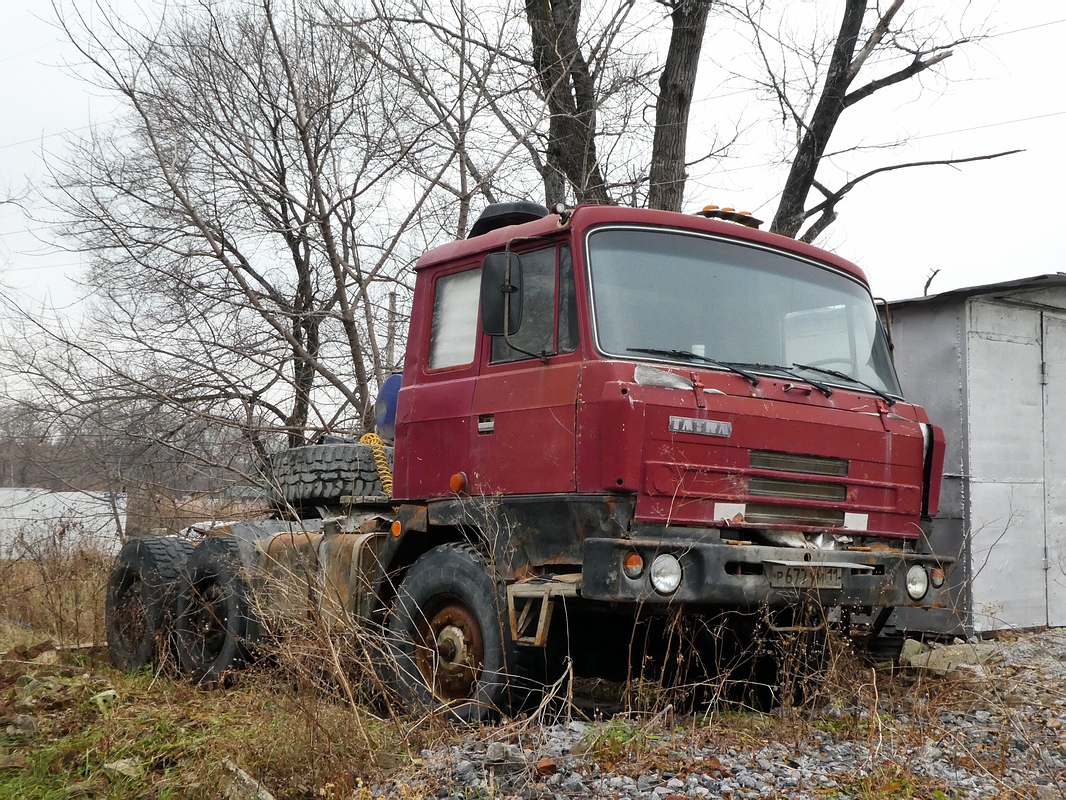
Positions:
{"x": 730, "y": 215}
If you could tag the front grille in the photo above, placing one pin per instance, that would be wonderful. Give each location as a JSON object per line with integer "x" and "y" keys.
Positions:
{"x": 786, "y": 515}
{"x": 797, "y": 490}
{"x": 791, "y": 462}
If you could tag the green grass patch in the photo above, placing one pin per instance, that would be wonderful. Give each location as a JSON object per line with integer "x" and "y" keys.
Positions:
{"x": 166, "y": 739}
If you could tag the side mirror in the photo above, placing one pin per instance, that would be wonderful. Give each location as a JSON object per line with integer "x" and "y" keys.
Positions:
{"x": 501, "y": 294}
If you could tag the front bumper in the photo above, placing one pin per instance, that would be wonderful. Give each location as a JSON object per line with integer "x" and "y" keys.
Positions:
{"x": 716, "y": 573}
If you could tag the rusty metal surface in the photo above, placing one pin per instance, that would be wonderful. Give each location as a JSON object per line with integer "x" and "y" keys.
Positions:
{"x": 413, "y": 517}
{"x": 449, "y": 649}
{"x": 530, "y": 605}
{"x": 349, "y": 564}
{"x": 287, "y": 578}
{"x": 523, "y": 533}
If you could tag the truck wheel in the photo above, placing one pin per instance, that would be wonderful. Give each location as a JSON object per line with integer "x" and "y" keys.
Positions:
{"x": 138, "y": 606}
{"x": 214, "y": 622}
{"x": 325, "y": 473}
{"x": 449, "y": 637}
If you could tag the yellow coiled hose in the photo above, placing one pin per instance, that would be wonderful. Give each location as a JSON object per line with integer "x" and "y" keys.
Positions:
{"x": 381, "y": 461}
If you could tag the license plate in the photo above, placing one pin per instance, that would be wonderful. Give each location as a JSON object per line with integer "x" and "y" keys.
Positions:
{"x": 805, "y": 577}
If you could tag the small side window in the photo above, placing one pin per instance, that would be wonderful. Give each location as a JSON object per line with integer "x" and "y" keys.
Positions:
{"x": 453, "y": 335}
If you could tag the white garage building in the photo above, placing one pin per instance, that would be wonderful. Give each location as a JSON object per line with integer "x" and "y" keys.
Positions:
{"x": 989, "y": 365}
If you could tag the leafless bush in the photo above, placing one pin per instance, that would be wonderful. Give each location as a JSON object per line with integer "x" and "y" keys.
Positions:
{"x": 54, "y": 586}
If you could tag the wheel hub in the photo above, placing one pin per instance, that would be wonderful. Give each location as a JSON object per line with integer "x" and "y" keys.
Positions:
{"x": 451, "y": 650}
{"x": 131, "y": 615}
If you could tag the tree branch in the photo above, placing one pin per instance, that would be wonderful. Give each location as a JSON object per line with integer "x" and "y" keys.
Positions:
{"x": 912, "y": 69}
{"x": 832, "y": 198}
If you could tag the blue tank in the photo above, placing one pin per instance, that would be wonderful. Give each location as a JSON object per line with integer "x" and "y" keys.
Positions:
{"x": 385, "y": 408}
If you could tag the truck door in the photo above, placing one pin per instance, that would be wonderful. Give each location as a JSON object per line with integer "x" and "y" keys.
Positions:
{"x": 433, "y": 412}
{"x": 526, "y": 396}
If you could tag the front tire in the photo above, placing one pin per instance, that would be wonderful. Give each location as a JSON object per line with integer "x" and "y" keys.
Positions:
{"x": 449, "y": 637}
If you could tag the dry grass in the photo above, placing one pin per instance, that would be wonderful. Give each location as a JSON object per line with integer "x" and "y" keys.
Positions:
{"x": 53, "y": 596}
{"x": 312, "y": 721}
{"x": 297, "y": 728}
{"x": 175, "y": 737}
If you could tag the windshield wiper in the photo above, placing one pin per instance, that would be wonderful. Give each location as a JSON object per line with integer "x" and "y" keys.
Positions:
{"x": 843, "y": 375}
{"x": 686, "y": 354}
{"x": 821, "y": 387}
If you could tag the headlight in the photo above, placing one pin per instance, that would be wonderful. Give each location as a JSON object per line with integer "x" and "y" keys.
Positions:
{"x": 917, "y": 582}
{"x": 665, "y": 574}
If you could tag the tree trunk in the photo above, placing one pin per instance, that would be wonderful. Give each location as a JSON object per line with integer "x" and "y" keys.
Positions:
{"x": 676, "y": 84}
{"x": 569, "y": 91}
{"x": 789, "y": 217}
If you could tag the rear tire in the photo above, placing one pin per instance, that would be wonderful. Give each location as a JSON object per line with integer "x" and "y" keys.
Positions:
{"x": 138, "y": 607}
{"x": 215, "y": 628}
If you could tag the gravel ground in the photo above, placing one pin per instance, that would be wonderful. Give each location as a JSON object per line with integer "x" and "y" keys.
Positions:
{"x": 992, "y": 730}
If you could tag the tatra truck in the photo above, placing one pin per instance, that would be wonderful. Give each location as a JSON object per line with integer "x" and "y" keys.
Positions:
{"x": 606, "y": 417}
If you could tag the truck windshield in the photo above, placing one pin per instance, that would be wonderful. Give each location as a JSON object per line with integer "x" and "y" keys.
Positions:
{"x": 656, "y": 290}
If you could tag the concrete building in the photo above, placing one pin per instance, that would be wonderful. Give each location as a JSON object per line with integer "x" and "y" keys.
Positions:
{"x": 39, "y": 522}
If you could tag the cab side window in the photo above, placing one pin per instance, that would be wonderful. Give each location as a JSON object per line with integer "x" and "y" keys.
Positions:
{"x": 453, "y": 335}
{"x": 549, "y": 308}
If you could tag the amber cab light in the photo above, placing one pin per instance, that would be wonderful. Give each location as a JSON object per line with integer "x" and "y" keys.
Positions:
{"x": 458, "y": 483}
{"x": 633, "y": 565}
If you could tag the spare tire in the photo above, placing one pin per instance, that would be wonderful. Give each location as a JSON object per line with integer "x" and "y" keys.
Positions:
{"x": 323, "y": 473}
{"x": 138, "y": 607}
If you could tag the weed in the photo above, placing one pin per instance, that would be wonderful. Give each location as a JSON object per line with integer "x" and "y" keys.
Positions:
{"x": 617, "y": 740}
{"x": 889, "y": 780}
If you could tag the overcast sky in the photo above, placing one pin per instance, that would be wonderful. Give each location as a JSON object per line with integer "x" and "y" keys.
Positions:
{"x": 979, "y": 223}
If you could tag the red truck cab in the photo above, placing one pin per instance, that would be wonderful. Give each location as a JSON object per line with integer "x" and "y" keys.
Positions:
{"x": 684, "y": 412}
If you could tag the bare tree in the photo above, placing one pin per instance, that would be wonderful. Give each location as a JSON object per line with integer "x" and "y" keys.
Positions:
{"x": 676, "y": 85}
{"x": 812, "y": 83}
{"x": 575, "y": 95}
{"x": 581, "y": 74}
{"x": 236, "y": 226}
{"x": 832, "y": 77}
{"x": 568, "y": 89}
{"x": 456, "y": 66}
